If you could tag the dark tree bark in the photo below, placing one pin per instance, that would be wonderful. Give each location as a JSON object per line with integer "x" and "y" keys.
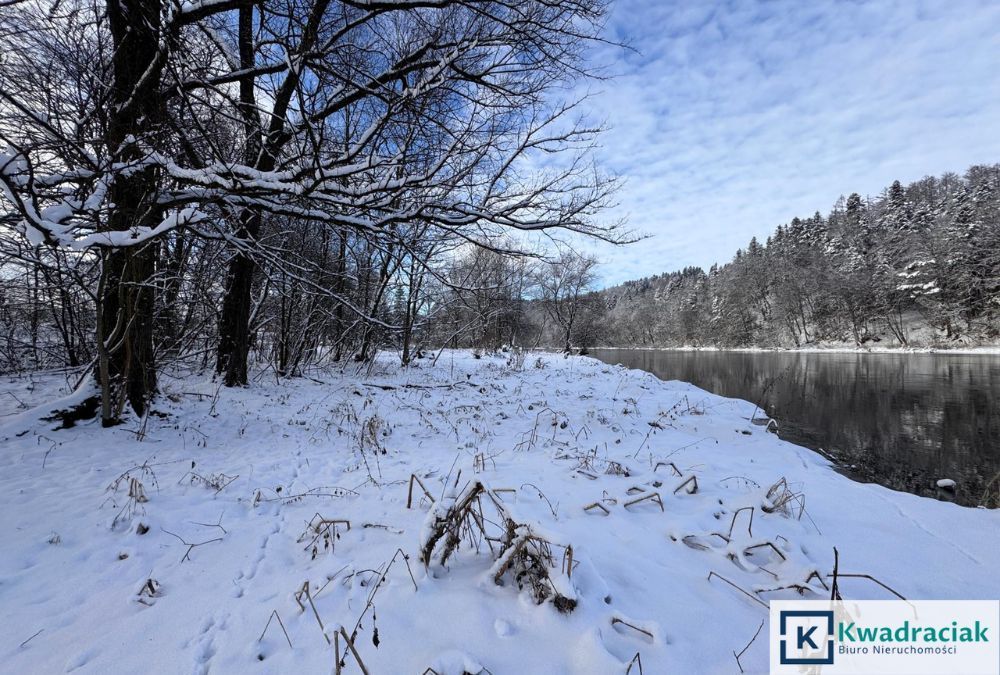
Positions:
{"x": 234, "y": 327}
{"x": 127, "y": 370}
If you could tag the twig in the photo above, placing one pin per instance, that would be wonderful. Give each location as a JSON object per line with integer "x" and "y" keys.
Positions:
{"x": 31, "y": 638}
{"x": 542, "y": 495}
{"x": 616, "y": 620}
{"x": 325, "y": 491}
{"x": 749, "y": 595}
{"x": 870, "y": 578}
{"x": 322, "y": 527}
{"x": 406, "y": 560}
{"x": 357, "y": 657}
{"x": 597, "y": 505}
{"x": 835, "y": 591}
{"x": 568, "y": 562}
{"x": 298, "y": 598}
{"x": 409, "y": 496}
{"x": 191, "y": 547}
{"x": 218, "y": 524}
{"x": 275, "y": 615}
{"x": 732, "y": 523}
{"x": 391, "y": 387}
{"x": 742, "y": 651}
{"x": 764, "y": 545}
{"x": 677, "y": 472}
{"x": 693, "y": 489}
{"x": 655, "y": 496}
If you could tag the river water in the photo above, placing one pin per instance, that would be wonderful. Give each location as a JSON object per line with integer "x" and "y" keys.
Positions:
{"x": 903, "y": 420}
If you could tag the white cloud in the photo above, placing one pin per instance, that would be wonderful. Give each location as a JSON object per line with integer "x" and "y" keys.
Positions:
{"x": 737, "y": 116}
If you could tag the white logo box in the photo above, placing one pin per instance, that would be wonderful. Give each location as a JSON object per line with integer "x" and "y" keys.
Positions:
{"x": 891, "y": 637}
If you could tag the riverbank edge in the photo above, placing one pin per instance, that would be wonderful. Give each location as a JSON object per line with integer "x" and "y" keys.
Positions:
{"x": 983, "y": 349}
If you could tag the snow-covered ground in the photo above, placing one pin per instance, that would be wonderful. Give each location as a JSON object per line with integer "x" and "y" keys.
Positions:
{"x": 93, "y": 581}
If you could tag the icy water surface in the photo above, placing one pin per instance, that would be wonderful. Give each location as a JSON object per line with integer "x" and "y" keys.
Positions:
{"x": 901, "y": 420}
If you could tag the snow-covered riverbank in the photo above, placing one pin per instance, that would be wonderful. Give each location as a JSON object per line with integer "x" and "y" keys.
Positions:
{"x": 578, "y": 452}
{"x": 828, "y": 349}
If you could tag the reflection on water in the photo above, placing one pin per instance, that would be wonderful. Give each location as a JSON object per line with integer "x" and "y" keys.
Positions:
{"x": 902, "y": 420}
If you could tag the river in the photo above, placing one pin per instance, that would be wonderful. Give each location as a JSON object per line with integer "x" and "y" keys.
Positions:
{"x": 904, "y": 420}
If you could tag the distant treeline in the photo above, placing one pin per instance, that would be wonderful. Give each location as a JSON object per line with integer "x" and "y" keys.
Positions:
{"x": 918, "y": 264}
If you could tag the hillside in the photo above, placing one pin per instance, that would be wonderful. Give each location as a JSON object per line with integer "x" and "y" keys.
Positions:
{"x": 915, "y": 266}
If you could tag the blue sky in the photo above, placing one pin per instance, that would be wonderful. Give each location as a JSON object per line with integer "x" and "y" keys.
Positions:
{"x": 734, "y": 117}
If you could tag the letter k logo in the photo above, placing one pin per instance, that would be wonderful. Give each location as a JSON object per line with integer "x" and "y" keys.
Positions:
{"x": 805, "y": 636}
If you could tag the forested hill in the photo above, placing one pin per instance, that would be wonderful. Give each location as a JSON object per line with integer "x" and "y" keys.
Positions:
{"x": 917, "y": 265}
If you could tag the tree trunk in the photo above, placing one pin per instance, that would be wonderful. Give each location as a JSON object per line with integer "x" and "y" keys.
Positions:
{"x": 127, "y": 330}
{"x": 368, "y": 331}
{"x": 127, "y": 371}
{"x": 234, "y": 326}
{"x": 234, "y": 329}
{"x": 414, "y": 284}
{"x": 340, "y": 286}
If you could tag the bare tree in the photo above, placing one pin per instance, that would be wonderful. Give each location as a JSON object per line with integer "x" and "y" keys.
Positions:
{"x": 564, "y": 286}
{"x": 138, "y": 122}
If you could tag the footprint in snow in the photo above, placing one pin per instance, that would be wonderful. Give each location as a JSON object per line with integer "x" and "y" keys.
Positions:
{"x": 503, "y": 628}
{"x": 205, "y": 646}
{"x": 81, "y": 659}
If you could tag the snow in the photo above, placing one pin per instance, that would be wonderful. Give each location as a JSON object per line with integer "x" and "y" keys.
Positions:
{"x": 946, "y": 483}
{"x": 172, "y": 220}
{"x": 233, "y": 478}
